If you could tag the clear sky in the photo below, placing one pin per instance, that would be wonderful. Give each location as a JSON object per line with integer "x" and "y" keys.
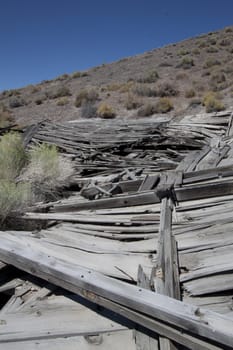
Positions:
{"x": 42, "y": 39}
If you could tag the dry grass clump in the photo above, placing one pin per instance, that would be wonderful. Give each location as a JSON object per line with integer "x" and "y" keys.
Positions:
{"x": 85, "y": 96}
{"x": 78, "y": 74}
{"x": 145, "y": 90}
{"x": 190, "y": 93}
{"x": 211, "y": 62}
{"x": 164, "y": 105}
{"x": 150, "y": 77}
{"x": 46, "y": 171}
{"x": 186, "y": 63}
{"x": 166, "y": 90}
{"x": 105, "y": 111}
{"x": 62, "y": 101}
{"x": 63, "y": 91}
{"x": 146, "y": 110}
{"x": 132, "y": 102}
{"x": 212, "y": 102}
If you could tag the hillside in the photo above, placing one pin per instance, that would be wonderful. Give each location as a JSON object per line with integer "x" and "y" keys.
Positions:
{"x": 185, "y": 78}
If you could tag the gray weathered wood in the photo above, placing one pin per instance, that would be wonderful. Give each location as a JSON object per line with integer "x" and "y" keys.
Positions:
{"x": 197, "y": 321}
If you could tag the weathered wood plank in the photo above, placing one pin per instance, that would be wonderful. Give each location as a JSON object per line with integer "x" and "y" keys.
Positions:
{"x": 144, "y": 341}
{"x": 198, "y": 322}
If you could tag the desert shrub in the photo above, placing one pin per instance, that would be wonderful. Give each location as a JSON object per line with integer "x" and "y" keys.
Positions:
{"x": 190, "y": 93}
{"x": 218, "y": 78}
{"x": 62, "y": 101}
{"x": 144, "y": 90}
{"x": 229, "y": 30}
{"x": 195, "y": 102}
{"x": 166, "y": 90}
{"x": 181, "y": 76}
{"x": 105, "y": 111}
{"x": 165, "y": 64}
{"x": 196, "y": 51}
{"x": 46, "y": 171}
{"x": 85, "y": 96}
{"x": 113, "y": 87}
{"x": 218, "y": 82}
{"x": 150, "y": 77}
{"x": 62, "y": 77}
{"x": 126, "y": 87}
{"x": 186, "y": 63}
{"x": 183, "y": 52}
{"x": 81, "y": 98}
{"x": 164, "y": 105}
{"x": 12, "y": 156}
{"x": 16, "y": 102}
{"x": 202, "y": 44}
{"x": 77, "y": 74}
{"x": 13, "y": 197}
{"x": 146, "y": 110}
{"x": 211, "y": 62}
{"x": 62, "y": 91}
{"x": 88, "y": 110}
{"x": 35, "y": 89}
{"x": 225, "y": 42}
{"x": 206, "y": 73}
{"x": 6, "y": 117}
{"x": 11, "y": 93}
{"x": 132, "y": 102}
{"x": 212, "y": 103}
{"x": 211, "y": 49}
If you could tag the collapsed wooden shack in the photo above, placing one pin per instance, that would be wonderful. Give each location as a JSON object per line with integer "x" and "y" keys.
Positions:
{"x": 140, "y": 254}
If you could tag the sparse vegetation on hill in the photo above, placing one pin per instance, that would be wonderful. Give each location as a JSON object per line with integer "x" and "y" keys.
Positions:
{"x": 184, "y": 72}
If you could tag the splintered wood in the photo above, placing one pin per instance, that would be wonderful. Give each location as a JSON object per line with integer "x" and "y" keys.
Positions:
{"x": 139, "y": 254}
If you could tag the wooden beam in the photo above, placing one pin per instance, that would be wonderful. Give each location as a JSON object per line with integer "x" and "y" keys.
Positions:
{"x": 187, "y": 318}
{"x": 167, "y": 272}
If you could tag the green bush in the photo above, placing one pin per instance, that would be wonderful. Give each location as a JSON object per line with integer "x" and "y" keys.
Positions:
{"x": 13, "y": 197}
{"x": 212, "y": 103}
{"x": 12, "y": 156}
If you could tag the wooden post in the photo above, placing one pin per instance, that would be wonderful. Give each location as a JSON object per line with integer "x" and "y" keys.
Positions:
{"x": 167, "y": 270}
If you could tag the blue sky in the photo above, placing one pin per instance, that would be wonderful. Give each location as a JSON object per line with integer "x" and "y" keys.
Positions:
{"x": 42, "y": 39}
